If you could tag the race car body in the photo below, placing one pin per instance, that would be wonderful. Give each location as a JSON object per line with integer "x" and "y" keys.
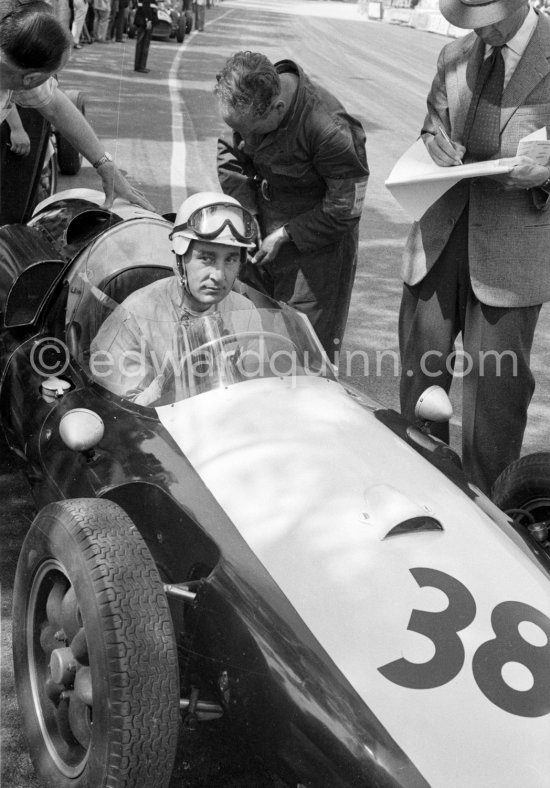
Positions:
{"x": 363, "y": 615}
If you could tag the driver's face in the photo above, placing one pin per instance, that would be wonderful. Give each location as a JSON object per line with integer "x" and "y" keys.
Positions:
{"x": 211, "y": 271}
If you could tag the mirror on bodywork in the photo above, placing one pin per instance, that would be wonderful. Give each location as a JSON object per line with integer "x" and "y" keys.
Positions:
{"x": 30, "y": 291}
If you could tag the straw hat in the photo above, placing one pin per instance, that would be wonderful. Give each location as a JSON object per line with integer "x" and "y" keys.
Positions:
{"x": 473, "y": 14}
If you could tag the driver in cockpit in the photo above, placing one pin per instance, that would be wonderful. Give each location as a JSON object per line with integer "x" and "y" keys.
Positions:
{"x": 136, "y": 346}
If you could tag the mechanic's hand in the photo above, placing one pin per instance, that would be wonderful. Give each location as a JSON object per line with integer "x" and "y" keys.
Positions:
{"x": 115, "y": 185}
{"x": 443, "y": 152}
{"x": 20, "y": 143}
{"x": 270, "y": 246}
{"x": 525, "y": 174}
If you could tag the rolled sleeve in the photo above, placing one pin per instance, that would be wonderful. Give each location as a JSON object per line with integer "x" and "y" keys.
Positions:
{"x": 36, "y": 97}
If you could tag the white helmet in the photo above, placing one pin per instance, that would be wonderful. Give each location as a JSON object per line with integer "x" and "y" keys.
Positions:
{"x": 214, "y": 217}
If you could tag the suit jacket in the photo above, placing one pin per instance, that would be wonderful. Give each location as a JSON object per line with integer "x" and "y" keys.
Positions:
{"x": 509, "y": 231}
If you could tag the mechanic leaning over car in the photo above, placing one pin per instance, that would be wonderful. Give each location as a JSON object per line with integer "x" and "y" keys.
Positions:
{"x": 140, "y": 340}
{"x": 297, "y": 160}
{"x": 477, "y": 261}
{"x": 34, "y": 45}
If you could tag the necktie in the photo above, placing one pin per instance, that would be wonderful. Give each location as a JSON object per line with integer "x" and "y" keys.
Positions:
{"x": 482, "y": 127}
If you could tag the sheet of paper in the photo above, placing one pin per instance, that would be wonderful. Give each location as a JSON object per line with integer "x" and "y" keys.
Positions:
{"x": 536, "y": 146}
{"x": 416, "y": 181}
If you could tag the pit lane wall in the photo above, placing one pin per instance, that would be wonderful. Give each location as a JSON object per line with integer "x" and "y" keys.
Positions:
{"x": 423, "y": 15}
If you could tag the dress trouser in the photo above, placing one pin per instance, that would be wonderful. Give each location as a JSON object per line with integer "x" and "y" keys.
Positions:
{"x": 80, "y": 7}
{"x": 143, "y": 39}
{"x": 497, "y": 383}
{"x": 200, "y": 13}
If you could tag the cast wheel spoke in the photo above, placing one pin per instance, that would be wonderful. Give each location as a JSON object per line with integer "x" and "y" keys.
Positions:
{"x": 79, "y": 647}
{"x": 71, "y": 620}
{"x": 80, "y": 720}
{"x": 53, "y": 605}
{"x": 63, "y": 722}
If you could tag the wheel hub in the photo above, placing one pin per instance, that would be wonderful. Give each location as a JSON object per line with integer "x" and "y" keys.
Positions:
{"x": 62, "y": 666}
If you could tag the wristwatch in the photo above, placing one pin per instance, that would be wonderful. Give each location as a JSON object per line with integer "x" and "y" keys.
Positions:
{"x": 103, "y": 160}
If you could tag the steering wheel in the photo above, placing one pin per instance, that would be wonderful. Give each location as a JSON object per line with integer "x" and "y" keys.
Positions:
{"x": 221, "y": 342}
{"x": 227, "y": 339}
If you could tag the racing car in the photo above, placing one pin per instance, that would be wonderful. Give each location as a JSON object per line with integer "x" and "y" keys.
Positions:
{"x": 262, "y": 542}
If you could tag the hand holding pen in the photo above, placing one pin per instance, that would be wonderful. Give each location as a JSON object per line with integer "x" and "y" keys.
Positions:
{"x": 444, "y": 151}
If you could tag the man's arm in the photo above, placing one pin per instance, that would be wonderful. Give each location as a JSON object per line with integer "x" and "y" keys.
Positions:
{"x": 340, "y": 159}
{"x": 236, "y": 174}
{"x": 71, "y": 123}
{"x": 20, "y": 143}
{"x": 438, "y": 136}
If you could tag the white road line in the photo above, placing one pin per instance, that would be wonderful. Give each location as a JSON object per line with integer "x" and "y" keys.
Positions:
{"x": 178, "y": 164}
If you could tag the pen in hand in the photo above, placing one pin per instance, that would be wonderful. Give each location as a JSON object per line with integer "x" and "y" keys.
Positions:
{"x": 449, "y": 140}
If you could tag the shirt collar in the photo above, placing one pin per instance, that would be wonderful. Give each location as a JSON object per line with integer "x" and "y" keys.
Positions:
{"x": 518, "y": 43}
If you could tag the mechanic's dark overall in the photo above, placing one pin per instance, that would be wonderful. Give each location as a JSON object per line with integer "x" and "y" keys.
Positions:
{"x": 144, "y": 21}
{"x": 310, "y": 175}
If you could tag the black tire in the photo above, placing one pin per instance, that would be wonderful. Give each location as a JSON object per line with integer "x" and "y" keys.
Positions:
{"x": 525, "y": 487}
{"x": 68, "y": 158}
{"x": 86, "y": 583}
{"x": 180, "y": 32}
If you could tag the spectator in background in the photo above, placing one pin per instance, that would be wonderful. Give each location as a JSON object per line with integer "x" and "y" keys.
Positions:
{"x": 477, "y": 261}
{"x": 144, "y": 21}
{"x": 297, "y": 160}
{"x": 120, "y": 21}
{"x": 113, "y": 11}
{"x": 80, "y": 8}
{"x": 102, "y": 9}
{"x": 187, "y": 9}
{"x": 200, "y": 11}
{"x": 89, "y": 22}
{"x": 34, "y": 46}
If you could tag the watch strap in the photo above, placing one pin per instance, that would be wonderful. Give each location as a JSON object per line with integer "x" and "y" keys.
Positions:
{"x": 102, "y": 160}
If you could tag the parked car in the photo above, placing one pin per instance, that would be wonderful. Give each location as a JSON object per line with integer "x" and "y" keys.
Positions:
{"x": 170, "y": 24}
{"x": 263, "y": 542}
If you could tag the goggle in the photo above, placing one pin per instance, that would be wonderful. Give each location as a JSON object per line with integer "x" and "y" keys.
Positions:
{"x": 210, "y": 221}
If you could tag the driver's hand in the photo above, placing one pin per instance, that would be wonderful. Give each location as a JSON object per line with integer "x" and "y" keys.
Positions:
{"x": 152, "y": 392}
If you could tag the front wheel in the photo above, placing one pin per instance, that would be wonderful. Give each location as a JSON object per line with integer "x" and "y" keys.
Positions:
{"x": 95, "y": 658}
{"x": 523, "y": 489}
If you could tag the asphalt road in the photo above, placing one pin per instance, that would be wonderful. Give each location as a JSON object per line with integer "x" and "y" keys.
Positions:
{"x": 162, "y": 129}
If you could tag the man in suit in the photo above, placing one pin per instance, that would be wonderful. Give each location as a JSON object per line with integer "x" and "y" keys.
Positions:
{"x": 478, "y": 262}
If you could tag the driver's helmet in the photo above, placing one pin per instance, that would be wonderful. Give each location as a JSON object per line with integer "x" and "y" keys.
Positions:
{"x": 214, "y": 217}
